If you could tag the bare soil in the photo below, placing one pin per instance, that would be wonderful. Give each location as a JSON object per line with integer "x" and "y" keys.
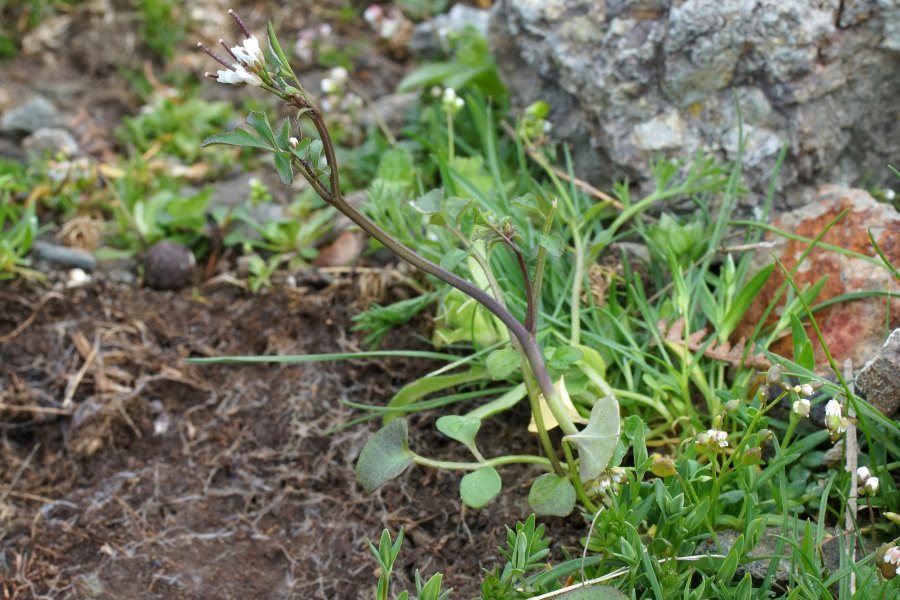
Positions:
{"x": 126, "y": 473}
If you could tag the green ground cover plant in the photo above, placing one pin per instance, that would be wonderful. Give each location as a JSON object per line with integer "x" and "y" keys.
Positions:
{"x": 717, "y": 451}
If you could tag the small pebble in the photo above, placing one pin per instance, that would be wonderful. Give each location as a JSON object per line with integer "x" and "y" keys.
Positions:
{"x": 168, "y": 266}
{"x": 77, "y": 278}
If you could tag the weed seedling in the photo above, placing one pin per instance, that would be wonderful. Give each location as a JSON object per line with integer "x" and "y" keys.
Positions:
{"x": 583, "y": 454}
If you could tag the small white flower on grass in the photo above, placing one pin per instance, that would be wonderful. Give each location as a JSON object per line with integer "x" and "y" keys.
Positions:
{"x": 334, "y": 83}
{"x": 806, "y": 390}
{"x": 713, "y": 438}
{"x": 451, "y": 102}
{"x": 863, "y": 474}
{"x": 892, "y": 557}
{"x": 801, "y": 408}
{"x": 870, "y": 487}
{"x": 293, "y": 142}
{"x": 835, "y": 421}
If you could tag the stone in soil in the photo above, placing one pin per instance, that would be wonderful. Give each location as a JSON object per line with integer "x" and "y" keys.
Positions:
{"x": 168, "y": 266}
{"x": 52, "y": 141}
{"x": 36, "y": 113}
{"x": 879, "y": 379}
{"x": 63, "y": 256}
{"x": 855, "y": 329}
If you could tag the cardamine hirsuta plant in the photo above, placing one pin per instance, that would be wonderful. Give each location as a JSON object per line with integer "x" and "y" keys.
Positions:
{"x": 572, "y": 476}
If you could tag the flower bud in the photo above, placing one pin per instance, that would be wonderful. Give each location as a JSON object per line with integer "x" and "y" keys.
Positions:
{"x": 774, "y": 375}
{"x": 801, "y": 408}
{"x": 863, "y": 474}
{"x": 662, "y": 466}
{"x": 870, "y": 487}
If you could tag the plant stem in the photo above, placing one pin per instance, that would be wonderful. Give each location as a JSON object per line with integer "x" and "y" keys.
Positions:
{"x": 525, "y": 338}
{"x": 491, "y": 462}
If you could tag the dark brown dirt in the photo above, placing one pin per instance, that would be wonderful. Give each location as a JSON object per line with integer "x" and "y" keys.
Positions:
{"x": 165, "y": 480}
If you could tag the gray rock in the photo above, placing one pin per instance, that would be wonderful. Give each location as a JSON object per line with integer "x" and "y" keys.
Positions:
{"x": 627, "y": 81}
{"x": 879, "y": 379}
{"x": 63, "y": 256}
{"x": 50, "y": 140}
{"x": 430, "y": 37}
{"x": 36, "y": 113}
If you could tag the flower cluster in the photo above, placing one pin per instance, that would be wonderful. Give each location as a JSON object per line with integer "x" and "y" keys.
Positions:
{"x": 712, "y": 438}
{"x": 835, "y": 421}
{"x": 388, "y": 24}
{"x": 451, "y": 103}
{"x": 248, "y": 56}
{"x": 868, "y": 485}
{"x": 608, "y": 481}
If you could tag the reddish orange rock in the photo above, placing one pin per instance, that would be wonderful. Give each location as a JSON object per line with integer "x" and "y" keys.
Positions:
{"x": 856, "y": 329}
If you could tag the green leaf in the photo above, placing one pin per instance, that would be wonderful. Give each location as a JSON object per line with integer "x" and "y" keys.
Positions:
{"x": 564, "y": 357}
{"x": 283, "y": 167}
{"x": 804, "y": 354}
{"x": 430, "y": 202}
{"x": 596, "y": 443}
{"x": 283, "y": 136}
{"x": 275, "y": 46}
{"x": 260, "y": 123}
{"x": 431, "y": 74}
{"x": 480, "y": 487}
{"x": 385, "y": 456}
{"x": 593, "y": 592}
{"x": 461, "y": 429}
{"x": 502, "y": 363}
{"x": 453, "y": 257}
{"x": 238, "y": 137}
{"x": 730, "y": 564}
{"x": 553, "y": 244}
{"x": 742, "y": 301}
{"x": 552, "y": 495}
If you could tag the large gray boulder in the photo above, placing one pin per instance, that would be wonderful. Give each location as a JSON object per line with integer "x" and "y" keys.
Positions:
{"x": 628, "y": 80}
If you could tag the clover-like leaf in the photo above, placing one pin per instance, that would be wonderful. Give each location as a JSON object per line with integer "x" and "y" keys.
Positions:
{"x": 552, "y": 495}
{"x": 480, "y": 487}
{"x": 461, "y": 429}
{"x": 596, "y": 443}
{"x": 385, "y": 456}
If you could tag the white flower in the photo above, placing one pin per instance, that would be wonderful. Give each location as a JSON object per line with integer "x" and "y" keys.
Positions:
{"x": 801, "y": 408}
{"x": 617, "y": 474}
{"x": 329, "y": 86}
{"x": 373, "y": 14}
{"x": 889, "y": 194}
{"x": 435, "y": 91}
{"x": 339, "y": 75}
{"x": 237, "y": 75}
{"x": 249, "y": 54}
{"x": 862, "y": 474}
{"x": 871, "y": 486}
{"x": 293, "y": 142}
{"x": 451, "y": 102}
{"x": 835, "y": 421}
{"x": 805, "y": 390}
{"x": 892, "y": 556}
{"x": 713, "y": 438}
